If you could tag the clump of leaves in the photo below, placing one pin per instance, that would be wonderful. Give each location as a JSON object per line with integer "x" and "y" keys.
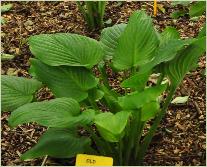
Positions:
{"x": 194, "y": 9}
{"x": 64, "y": 62}
{"x": 5, "y": 8}
{"x": 93, "y": 12}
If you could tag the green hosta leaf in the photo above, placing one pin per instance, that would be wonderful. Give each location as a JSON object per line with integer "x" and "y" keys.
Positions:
{"x": 110, "y": 126}
{"x": 168, "y": 51}
{"x": 109, "y": 39}
{"x": 17, "y": 91}
{"x": 87, "y": 117}
{"x": 137, "y": 81}
{"x": 165, "y": 53}
{"x": 170, "y": 46}
{"x": 96, "y": 94}
{"x": 180, "y": 100}
{"x": 184, "y": 3}
{"x": 137, "y": 100}
{"x": 149, "y": 110}
{"x": 197, "y": 9}
{"x": 5, "y": 8}
{"x": 177, "y": 14}
{"x": 168, "y": 34}
{"x": 65, "y": 81}
{"x": 185, "y": 61}
{"x": 111, "y": 99}
{"x": 136, "y": 43}
{"x": 60, "y": 112}
{"x": 59, "y": 143}
{"x": 66, "y": 49}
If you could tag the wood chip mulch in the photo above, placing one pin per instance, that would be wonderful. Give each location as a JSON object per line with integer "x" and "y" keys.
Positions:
{"x": 181, "y": 139}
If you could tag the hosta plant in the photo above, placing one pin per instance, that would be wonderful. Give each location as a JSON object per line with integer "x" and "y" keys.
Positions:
{"x": 93, "y": 12}
{"x": 194, "y": 9}
{"x": 63, "y": 62}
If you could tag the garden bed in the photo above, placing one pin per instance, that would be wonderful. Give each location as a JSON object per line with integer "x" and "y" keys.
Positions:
{"x": 181, "y": 137}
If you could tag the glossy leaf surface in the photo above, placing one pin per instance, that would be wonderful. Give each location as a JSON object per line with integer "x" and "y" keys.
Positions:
{"x": 17, "y": 91}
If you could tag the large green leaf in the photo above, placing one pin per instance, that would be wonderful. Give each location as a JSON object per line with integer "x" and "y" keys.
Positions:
{"x": 136, "y": 100}
{"x": 197, "y": 9}
{"x": 170, "y": 46}
{"x": 185, "y": 61}
{"x": 109, "y": 39}
{"x": 95, "y": 94}
{"x": 165, "y": 53}
{"x": 178, "y": 13}
{"x": 60, "y": 112}
{"x": 65, "y": 81}
{"x": 17, "y": 91}
{"x": 111, "y": 99}
{"x": 149, "y": 110}
{"x": 168, "y": 34}
{"x": 136, "y": 43}
{"x": 66, "y": 49}
{"x": 184, "y": 3}
{"x": 59, "y": 143}
{"x": 137, "y": 81}
{"x": 110, "y": 126}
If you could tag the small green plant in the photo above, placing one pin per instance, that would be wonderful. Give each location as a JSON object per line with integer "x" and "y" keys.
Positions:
{"x": 93, "y": 12}
{"x": 194, "y": 9}
{"x": 64, "y": 62}
{"x": 5, "y": 8}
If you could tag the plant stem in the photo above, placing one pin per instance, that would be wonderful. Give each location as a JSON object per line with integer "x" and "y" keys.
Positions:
{"x": 82, "y": 10}
{"x": 133, "y": 70}
{"x": 90, "y": 11}
{"x": 138, "y": 139}
{"x": 102, "y": 69}
{"x": 132, "y": 135}
{"x": 101, "y": 8}
{"x": 93, "y": 103}
{"x": 99, "y": 143}
{"x": 110, "y": 98}
{"x": 153, "y": 128}
{"x": 120, "y": 152}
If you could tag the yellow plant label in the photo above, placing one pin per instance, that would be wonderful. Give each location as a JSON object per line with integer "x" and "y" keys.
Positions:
{"x": 93, "y": 160}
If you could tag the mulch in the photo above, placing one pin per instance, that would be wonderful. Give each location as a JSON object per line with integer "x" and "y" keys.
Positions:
{"x": 181, "y": 139}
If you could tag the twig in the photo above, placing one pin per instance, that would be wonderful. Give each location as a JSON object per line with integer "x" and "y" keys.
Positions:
{"x": 44, "y": 161}
{"x": 197, "y": 107}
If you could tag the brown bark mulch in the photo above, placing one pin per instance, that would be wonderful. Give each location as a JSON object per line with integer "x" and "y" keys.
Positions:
{"x": 181, "y": 139}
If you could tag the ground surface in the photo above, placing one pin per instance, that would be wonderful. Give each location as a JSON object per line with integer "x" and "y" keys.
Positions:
{"x": 181, "y": 138}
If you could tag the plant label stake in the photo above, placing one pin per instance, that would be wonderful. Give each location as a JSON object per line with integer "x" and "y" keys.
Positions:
{"x": 155, "y": 7}
{"x": 93, "y": 160}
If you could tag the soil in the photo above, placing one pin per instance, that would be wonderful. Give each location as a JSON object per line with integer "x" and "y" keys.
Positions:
{"x": 181, "y": 138}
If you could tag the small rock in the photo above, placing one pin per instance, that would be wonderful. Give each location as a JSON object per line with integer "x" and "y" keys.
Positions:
{"x": 3, "y": 72}
{"x": 28, "y": 23}
{"x": 201, "y": 117}
{"x": 176, "y": 151}
{"x": 12, "y": 72}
